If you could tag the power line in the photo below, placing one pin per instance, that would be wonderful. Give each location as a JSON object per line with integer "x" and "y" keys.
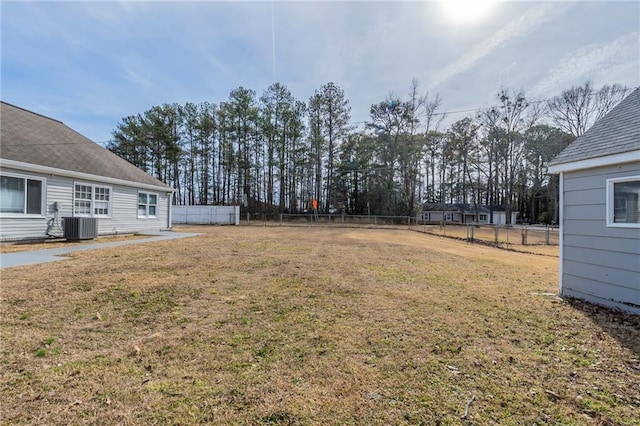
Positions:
{"x": 625, "y": 90}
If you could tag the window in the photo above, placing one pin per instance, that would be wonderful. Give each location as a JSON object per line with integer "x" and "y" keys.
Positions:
{"x": 426, "y": 216}
{"x": 623, "y": 202}
{"x": 21, "y": 195}
{"x": 483, "y": 218}
{"x": 101, "y": 201}
{"x": 620, "y": 209}
{"x": 91, "y": 200}
{"x": 448, "y": 217}
{"x": 147, "y": 204}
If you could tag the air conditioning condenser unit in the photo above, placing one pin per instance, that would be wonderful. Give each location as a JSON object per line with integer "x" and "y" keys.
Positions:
{"x": 80, "y": 228}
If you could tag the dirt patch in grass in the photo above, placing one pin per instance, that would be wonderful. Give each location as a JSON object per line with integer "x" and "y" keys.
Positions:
{"x": 309, "y": 326}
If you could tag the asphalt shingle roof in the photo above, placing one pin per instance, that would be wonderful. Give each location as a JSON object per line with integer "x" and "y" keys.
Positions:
{"x": 462, "y": 208}
{"x": 615, "y": 133}
{"x": 35, "y": 139}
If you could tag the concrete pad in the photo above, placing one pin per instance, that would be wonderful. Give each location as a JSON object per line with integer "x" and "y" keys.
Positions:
{"x": 33, "y": 257}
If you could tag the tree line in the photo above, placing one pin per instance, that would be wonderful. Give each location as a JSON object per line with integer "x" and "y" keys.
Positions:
{"x": 275, "y": 153}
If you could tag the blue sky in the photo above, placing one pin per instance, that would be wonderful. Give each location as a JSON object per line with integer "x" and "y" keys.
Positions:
{"x": 91, "y": 63}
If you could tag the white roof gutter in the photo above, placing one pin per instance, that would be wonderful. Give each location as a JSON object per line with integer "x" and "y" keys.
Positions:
{"x": 53, "y": 171}
{"x": 625, "y": 157}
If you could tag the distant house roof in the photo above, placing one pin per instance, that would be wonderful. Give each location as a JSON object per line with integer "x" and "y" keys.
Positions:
{"x": 615, "y": 136}
{"x": 27, "y": 137}
{"x": 462, "y": 208}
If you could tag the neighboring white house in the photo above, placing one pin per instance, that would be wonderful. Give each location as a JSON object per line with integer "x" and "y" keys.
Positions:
{"x": 48, "y": 171}
{"x": 466, "y": 213}
{"x": 599, "y": 210}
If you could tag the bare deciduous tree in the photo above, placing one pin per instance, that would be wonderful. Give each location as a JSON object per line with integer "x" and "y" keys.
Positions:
{"x": 576, "y": 109}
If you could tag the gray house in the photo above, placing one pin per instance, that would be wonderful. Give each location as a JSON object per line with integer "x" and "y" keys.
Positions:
{"x": 599, "y": 206}
{"x": 48, "y": 172}
{"x": 460, "y": 213}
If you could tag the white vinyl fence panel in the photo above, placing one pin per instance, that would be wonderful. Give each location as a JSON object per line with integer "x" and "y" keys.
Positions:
{"x": 206, "y": 215}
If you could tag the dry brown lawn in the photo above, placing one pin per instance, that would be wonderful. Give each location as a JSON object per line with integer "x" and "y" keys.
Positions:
{"x": 270, "y": 325}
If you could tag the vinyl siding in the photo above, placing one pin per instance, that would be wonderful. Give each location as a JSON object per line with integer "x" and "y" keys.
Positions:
{"x": 499, "y": 218}
{"x": 18, "y": 228}
{"x": 124, "y": 214}
{"x": 123, "y": 219}
{"x": 591, "y": 290}
{"x": 435, "y": 216}
{"x": 600, "y": 264}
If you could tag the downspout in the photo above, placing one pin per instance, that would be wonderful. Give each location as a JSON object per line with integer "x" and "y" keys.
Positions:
{"x": 561, "y": 230}
{"x": 169, "y": 209}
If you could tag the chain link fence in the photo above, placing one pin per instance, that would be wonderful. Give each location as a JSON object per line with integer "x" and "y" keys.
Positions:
{"x": 504, "y": 236}
{"x": 538, "y": 239}
{"x": 346, "y": 220}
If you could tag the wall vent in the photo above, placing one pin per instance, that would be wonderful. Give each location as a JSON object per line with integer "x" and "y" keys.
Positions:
{"x": 80, "y": 228}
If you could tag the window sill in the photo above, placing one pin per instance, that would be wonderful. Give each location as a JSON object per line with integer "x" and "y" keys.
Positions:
{"x": 623, "y": 225}
{"x": 21, "y": 216}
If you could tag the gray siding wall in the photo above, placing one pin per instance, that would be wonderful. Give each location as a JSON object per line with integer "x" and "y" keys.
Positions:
{"x": 124, "y": 211}
{"x": 435, "y": 216}
{"x": 600, "y": 264}
{"x": 499, "y": 218}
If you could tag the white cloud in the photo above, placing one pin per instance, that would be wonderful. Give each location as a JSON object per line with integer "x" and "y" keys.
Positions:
{"x": 109, "y": 60}
{"x": 529, "y": 21}
{"x": 137, "y": 79}
{"x": 218, "y": 66}
{"x": 602, "y": 63}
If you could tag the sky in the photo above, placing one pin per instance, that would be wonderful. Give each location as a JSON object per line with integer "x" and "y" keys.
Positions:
{"x": 92, "y": 63}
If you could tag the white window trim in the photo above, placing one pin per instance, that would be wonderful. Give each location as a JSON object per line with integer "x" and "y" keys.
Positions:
{"x": 147, "y": 216}
{"x": 93, "y": 200}
{"x": 43, "y": 198}
{"x": 611, "y": 202}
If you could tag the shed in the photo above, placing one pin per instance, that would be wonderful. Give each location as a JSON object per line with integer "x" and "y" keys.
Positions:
{"x": 599, "y": 210}
{"x": 49, "y": 171}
